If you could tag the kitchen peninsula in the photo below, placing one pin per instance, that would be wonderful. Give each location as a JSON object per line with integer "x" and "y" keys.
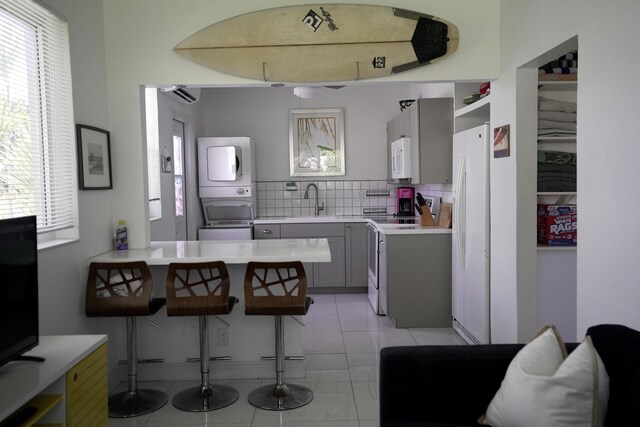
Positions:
{"x": 245, "y": 339}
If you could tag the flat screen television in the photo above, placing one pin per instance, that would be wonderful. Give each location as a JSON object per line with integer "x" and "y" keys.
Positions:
{"x": 18, "y": 287}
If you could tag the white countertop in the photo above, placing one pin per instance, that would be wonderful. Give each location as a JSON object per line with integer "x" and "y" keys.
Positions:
{"x": 384, "y": 228}
{"x": 229, "y": 251}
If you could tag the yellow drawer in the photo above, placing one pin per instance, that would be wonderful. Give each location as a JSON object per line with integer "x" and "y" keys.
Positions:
{"x": 87, "y": 391}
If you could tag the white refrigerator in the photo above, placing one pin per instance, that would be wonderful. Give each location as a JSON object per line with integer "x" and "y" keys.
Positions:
{"x": 471, "y": 234}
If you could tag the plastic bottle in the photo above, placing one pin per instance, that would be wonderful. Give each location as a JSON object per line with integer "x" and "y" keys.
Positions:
{"x": 122, "y": 243}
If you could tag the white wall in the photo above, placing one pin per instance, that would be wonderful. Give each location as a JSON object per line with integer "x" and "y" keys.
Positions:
{"x": 263, "y": 114}
{"x": 63, "y": 269}
{"x": 140, "y": 37}
{"x": 608, "y": 178}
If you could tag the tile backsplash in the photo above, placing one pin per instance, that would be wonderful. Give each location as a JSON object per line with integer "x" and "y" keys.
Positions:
{"x": 286, "y": 198}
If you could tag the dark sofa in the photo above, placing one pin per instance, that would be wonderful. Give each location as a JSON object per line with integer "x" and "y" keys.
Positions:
{"x": 453, "y": 385}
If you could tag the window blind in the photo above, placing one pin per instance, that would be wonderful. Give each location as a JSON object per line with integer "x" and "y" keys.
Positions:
{"x": 37, "y": 135}
{"x": 153, "y": 143}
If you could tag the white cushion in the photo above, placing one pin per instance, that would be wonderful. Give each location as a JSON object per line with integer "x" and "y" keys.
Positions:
{"x": 541, "y": 388}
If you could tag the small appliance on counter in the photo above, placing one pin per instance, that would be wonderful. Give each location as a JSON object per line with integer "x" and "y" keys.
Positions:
{"x": 404, "y": 201}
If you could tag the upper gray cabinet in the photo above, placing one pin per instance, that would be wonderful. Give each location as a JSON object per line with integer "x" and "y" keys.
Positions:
{"x": 428, "y": 123}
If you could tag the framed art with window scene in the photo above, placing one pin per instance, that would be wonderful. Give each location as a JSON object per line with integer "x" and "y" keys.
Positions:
{"x": 94, "y": 158}
{"x": 316, "y": 142}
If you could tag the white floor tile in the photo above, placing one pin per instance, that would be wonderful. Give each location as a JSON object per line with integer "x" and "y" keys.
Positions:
{"x": 374, "y": 341}
{"x": 327, "y": 367}
{"x": 367, "y": 399}
{"x": 436, "y": 336}
{"x": 364, "y": 366}
{"x": 322, "y": 342}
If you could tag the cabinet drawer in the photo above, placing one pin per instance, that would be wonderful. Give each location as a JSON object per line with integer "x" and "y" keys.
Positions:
{"x": 313, "y": 230}
{"x": 87, "y": 391}
{"x": 266, "y": 231}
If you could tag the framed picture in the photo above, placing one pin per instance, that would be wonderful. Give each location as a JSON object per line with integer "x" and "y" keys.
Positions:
{"x": 501, "y": 141}
{"x": 94, "y": 158}
{"x": 316, "y": 142}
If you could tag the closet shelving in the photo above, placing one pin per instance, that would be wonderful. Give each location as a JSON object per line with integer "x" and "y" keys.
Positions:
{"x": 566, "y": 91}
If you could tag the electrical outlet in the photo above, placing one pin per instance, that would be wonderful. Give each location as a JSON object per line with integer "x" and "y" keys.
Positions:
{"x": 223, "y": 337}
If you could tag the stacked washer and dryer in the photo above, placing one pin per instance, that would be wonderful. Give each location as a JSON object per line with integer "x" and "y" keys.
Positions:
{"x": 227, "y": 187}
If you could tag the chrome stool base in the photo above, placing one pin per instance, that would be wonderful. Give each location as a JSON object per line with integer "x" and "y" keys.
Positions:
{"x": 279, "y": 398}
{"x": 201, "y": 399}
{"x": 131, "y": 404}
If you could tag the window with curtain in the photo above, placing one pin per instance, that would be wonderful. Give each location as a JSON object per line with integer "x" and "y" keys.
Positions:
{"x": 38, "y": 171}
{"x": 153, "y": 152}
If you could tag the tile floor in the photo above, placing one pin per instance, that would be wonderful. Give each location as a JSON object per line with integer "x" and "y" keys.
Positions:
{"x": 342, "y": 340}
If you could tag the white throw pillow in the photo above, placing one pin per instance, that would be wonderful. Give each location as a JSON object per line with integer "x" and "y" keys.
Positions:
{"x": 542, "y": 388}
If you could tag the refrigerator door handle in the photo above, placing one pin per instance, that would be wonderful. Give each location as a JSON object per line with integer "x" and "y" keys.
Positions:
{"x": 459, "y": 211}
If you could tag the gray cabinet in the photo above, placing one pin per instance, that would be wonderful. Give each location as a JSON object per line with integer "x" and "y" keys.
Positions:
{"x": 429, "y": 124}
{"x": 415, "y": 279}
{"x": 324, "y": 274}
{"x": 266, "y": 231}
{"x": 355, "y": 234}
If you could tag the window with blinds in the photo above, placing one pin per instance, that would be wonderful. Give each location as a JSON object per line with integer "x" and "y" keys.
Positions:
{"x": 37, "y": 137}
{"x": 153, "y": 152}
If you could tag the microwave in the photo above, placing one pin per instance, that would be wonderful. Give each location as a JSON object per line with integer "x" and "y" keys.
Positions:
{"x": 401, "y": 158}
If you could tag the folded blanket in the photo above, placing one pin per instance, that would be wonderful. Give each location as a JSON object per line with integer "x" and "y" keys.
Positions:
{"x": 557, "y": 157}
{"x": 557, "y": 116}
{"x": 552, "y": 124}
{"x": 556, "y": 132}
{"x": 546, "y": 104}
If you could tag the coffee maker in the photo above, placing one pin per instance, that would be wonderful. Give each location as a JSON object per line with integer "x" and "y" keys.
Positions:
{"x": 404, "y": 201}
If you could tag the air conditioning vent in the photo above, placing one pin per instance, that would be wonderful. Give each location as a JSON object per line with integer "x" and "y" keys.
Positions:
{"x": 185, "y": 95}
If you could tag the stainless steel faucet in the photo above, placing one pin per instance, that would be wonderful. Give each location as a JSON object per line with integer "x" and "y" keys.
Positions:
{"x": 318, "y": 207}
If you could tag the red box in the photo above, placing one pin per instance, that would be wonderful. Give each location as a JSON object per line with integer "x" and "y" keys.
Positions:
{"x": 557, "y": 225}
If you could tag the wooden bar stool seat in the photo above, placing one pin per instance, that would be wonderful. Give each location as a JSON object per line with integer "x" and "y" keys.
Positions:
{"x": 201, "y": 289}
{"x": 123, "y": 289}
{"x": 277, "y": 289}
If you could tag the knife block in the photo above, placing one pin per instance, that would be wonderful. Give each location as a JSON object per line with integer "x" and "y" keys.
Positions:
{"x": 426, "y": 219}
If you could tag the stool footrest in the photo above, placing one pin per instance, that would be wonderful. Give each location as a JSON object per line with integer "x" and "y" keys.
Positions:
{"x": 124, "y": 362}
{"x": 212, "y": 358}
{"x": 285, "y": 358}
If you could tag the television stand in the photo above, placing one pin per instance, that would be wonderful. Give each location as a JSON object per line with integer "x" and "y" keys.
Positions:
{"x": 57, "y": 386}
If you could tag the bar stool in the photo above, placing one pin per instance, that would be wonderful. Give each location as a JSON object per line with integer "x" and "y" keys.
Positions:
{"x": 277, "y": 289}
{"x": 123, "y": 289}
{"x": 201, "y": 289}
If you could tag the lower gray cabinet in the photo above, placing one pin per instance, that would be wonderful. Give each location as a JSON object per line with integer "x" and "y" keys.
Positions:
{"x": 331, "y": 274}
{"x": 355, "y": 237}
{"x": 325, "y": 274}
{"x": 347, "y": 243}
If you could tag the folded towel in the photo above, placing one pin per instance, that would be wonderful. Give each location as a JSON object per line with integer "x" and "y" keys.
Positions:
{"x": 552, "y": 124}
{"x": 546, "y": 104}
{"x": 556, "y": 132}
{"x": 557, "y": 116}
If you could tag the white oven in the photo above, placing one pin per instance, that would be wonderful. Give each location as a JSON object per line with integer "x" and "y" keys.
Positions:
{"x": 373, "y": 249}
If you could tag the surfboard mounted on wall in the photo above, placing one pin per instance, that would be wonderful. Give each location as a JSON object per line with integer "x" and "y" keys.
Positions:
{"x": 321, "y": 43}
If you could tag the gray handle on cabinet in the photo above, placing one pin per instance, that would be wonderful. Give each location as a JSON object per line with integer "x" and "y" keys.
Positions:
{"x": 267, "y": 231}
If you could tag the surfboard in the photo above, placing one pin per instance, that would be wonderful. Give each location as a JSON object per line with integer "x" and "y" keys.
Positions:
{"x": 321, "y": 43}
